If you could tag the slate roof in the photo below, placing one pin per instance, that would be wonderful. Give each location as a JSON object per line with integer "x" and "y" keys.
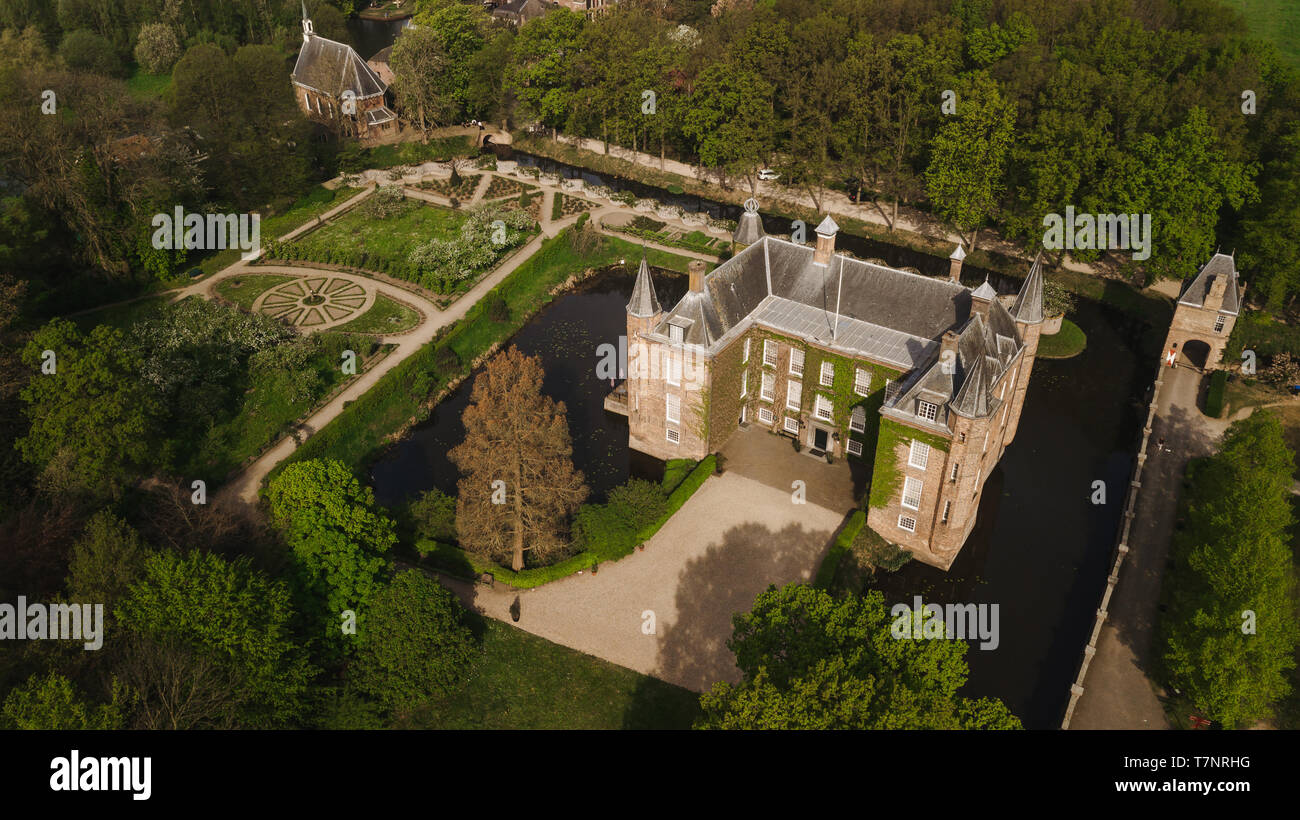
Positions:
{"x": 1221, "y": 264}
{"x": 644, "y": 303}
{"x": 1028, "y": 306}
{"x": 332, "y": 68}
{"x": 749, "y": 229}
{"x": 384, "y": 55}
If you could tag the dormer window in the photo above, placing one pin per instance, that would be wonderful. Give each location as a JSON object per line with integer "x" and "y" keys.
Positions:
{"x": 926, "y": 410}
{"x": 676, "y": 333}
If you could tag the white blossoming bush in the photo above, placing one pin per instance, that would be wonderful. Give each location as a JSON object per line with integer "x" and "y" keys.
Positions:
{"x": 439, "y": 264}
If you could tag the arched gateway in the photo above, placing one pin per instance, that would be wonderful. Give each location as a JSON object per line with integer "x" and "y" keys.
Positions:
{"x": 1204, "y": 316}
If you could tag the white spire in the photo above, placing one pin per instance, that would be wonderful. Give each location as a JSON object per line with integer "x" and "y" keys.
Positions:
{"x": 307, "y": 30}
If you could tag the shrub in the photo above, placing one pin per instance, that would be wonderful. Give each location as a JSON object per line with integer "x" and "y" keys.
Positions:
{"x": 1056, "y": 299}
{"x": 497, "y": 309}
{"x": 446, "y": 361}
{"x": 156, "y": 49}
{"x": 84, "y": 50}
{"x": 612, "y": 530}
{"x": 433, "y": 516}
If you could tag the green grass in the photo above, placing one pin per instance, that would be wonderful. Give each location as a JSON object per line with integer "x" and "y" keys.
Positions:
{"x": 385, "y": 316}
{"x": 831, "y": 563}
{"x": 244, "y": 290}
{"x": 311, "y": 205}
{"x": 526, "y": 682}
{"x": 406, "y": 153}
{"x": 1277, "y": 21}
{"x": 393, "y": 237}
{"x": 148, "y": 86}
{"x": 1214, "y": 397}
{"x": 1068, "y": 343}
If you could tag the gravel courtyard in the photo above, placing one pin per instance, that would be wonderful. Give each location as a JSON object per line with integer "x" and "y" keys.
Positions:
{"x": 732, "y": 539}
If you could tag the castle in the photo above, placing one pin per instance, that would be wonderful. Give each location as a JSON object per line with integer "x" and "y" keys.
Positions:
{"x": 334, "y": 86}
{"x": 922, "y": 377}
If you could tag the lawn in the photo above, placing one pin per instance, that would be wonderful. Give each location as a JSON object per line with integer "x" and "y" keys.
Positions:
{"x": 121, "y": 316}
{"x": 385, "y": 316}
{"x": 392, "y": 238}
{"x": 244, "y": 290}
{"x": 312, "y": 204}
{"x": 148, "y": 86}
{"x": 355, "y": 159}
{"x": 1069, "y": 342}
{"x": 526, "y": 682}
{"x": 1277, "y": 21}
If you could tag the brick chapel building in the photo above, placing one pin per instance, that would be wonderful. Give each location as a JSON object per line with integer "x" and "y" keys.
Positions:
{"x": 335, "y": 87}
{"x": 920, "y": 376}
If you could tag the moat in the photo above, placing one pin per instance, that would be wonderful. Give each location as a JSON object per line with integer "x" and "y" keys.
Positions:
{"x": 1039, "y": 550}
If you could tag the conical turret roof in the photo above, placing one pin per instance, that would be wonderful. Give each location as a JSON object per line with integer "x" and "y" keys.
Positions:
{"x": 644, "y": 303}
{"x": 1028, "y": 306}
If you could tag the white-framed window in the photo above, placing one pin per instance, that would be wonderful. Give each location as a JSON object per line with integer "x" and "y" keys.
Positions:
{"x": 986, "y": 442}
{"x": 891, "y": 389}
{"x": 1218, "y": 323}
{"x": 769, "y": 387}
{"x": 674, "y": 408}
{"x": 828, "y": 374}
{"x": 672, "y": 368}
{"x": 791, "y": 424}
{"x": 1002, "y": 389}
{"x": 947, "y": 508}
{"x": 861, "y": 381}
{"x": 745, "y": 357}
{"x": 912, "y": 493}
{"x": 765, "y": 415}
{"x": 926, "y": 410}
{"x": 855, "y": 447}
{"x": 858, "y": 419}
{"x": 793, "y": 394}
{"x": 744, "y": 384}
{"x": 824, "y": 409}
{"x": 919, "y": 456}
{"x": 674, "y": 436}
{"x": 963, "y": 437}
{"x": 769, "y": 353}
{"x": 676, "y": 333}
{"x": 907, "y": 522}
{"x": 744, "y": 413}
{"x": 977, "y": 482}
{"x": 953, "y": 477}
{"x": 796, "y": 363}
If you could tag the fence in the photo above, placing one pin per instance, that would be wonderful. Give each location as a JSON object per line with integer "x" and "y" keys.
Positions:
{"x": 1121, "y": 551}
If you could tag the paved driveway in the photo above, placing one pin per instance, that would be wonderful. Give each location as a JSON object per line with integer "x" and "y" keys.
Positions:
{"x": 732, "y": 539}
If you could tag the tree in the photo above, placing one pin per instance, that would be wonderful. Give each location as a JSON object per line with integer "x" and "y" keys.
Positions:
{"x": 968, "y": 153}
{"x": 730, "y": 117}
{"x": 433, "y": 515}
{"x": 809, "y": 661}
{"x": 85, "y": 50}
{"x": 540, "y": 70}
{"x": 156, "y": 49}
{"x": 414, "y": 645}
{"x": 338, "y": 536}
{"x": 519, "y": 485}
{"x": 1270, "y": 251}
{"x": 419, "y": 64}
{"x": 460, "y": 32}
{"x": 92, "y": 420}
{"x": 107, "y": 559}
{"x": 227, "y": 619}
{"x": 53, "y": 703}
{"x": 1229, "y": 632}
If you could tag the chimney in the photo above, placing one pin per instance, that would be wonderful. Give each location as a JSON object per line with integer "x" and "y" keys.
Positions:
{"x": 948, "y": 350}
{"x": 981, "y": 298}
{"x": 1218, "y": 287}
{"x": 825, "y": 242}
{"x": 954, "y": 263}
{"x": 695, "y": 268}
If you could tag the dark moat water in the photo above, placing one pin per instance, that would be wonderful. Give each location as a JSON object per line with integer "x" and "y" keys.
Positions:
{"x": 1040, "y": 549}
{"x": 369, "y": 37}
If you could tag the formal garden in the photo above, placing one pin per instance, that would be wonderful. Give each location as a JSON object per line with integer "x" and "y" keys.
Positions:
{"x": 442, "y": 249}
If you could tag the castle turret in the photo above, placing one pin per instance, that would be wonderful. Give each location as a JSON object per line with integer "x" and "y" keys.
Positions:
{"x": 1027, "y": 310}
{"x": 307, "y": 29}
{"x": 749, "y": 228}
{"x": 954, "y": 263}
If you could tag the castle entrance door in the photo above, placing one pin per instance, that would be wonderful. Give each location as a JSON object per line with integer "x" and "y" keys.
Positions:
{"x": 821, "y": 438}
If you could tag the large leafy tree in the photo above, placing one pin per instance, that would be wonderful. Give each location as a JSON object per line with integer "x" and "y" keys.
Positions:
{"x": 730, "y": 117}
{"x": 52, "y": 702}
{"x": 92, "y": 420}
{"x": 540, "y": 71}
{"x": 809, "y": 661}
{"x": 968, "y": 154}
{"x": 229, "y": 619}
{"x": 414, "y": 645}
{"x": 1271, "y": 252}
{"x": 420, "y": 63}
{"x": 338, "y": 536}
{"x": 1230, "y": 632}
{"x": 519, "y": 486}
